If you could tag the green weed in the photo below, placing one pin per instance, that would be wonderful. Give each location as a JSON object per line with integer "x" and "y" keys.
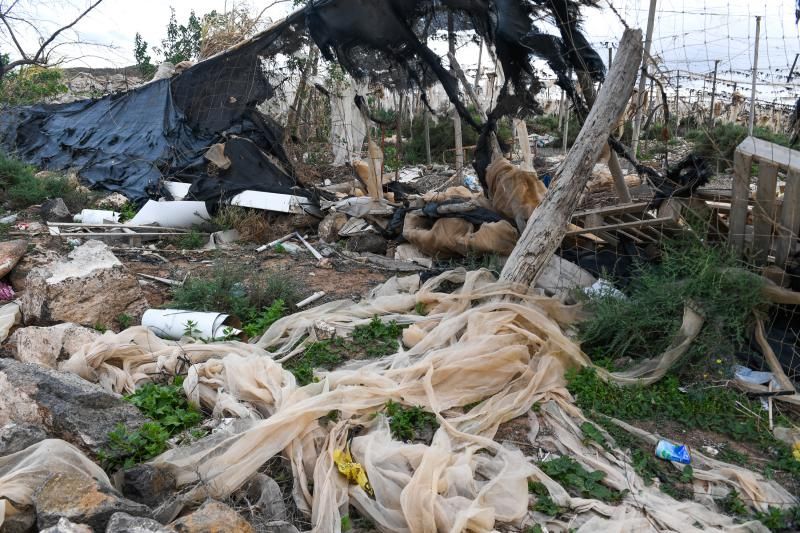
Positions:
{"x": 125, "y": 321}
{"x": 643, "y": 324}
{"x": 127, "y": 212}
{"x": 409, "y": 423}
{"x": 100, "y": 327}
{"x": 544, "y": 504}
{"x": 259, "y": 322}
{"x": 170, "y": 413}
{"x": 710, "y": 409}
{"x": 24, "y": 189}
{"x": 229, "y": 289}
{"x": 192, "y": 240}
{"x": 572, "y": 476}
{"x": 372, "y": 340}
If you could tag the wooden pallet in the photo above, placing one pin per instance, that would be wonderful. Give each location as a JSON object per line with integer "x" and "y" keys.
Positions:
{"x": 637, "y": 222}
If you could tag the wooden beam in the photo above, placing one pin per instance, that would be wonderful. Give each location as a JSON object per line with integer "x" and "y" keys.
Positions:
{"x": 624, "y": 225}
{"x": 764, "y": 212}
{"x": 762, "y": 150}
{"x": 548, "y": 224}
{"x": 739, "y": 199}
{"x": 790, "y": 220}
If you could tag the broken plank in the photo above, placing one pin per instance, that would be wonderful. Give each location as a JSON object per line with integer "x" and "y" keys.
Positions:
{"x": 79, "y": 225}
{"x": 766, "y": 151}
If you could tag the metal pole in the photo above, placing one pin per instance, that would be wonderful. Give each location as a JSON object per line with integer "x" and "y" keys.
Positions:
{"x": 753, "y": 87}
{"x": 713, "y": 95}
{"x": 609, "y": 58}
{"x": 637, "y": 123}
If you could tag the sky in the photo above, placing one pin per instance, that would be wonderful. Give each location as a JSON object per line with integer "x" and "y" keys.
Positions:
{"x": 688, "y": 35}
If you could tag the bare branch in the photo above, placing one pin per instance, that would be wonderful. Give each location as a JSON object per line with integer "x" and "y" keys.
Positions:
{"x": 12, "y": 34}
{"x": 56, "y": 33}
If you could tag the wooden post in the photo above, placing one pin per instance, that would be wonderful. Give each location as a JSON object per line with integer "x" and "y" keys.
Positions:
{"x": 713, "y": 95}
{"x": 790, "y": 219}
{"x": 451, "y": 40}
{"x": 764, "y": 212}
{"x": 791, "y": 70}
{"x": 637, "y": 121}
{"x": 521, "y": 130}
{"x": 398, "y": 145}
{"x": 548, "y": 223}
{"x": 740, "y": 194}
{"x": 751, "y": 123}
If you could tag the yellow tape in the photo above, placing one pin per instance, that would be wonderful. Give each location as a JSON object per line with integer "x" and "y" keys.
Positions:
{"x": 353, "y": 471}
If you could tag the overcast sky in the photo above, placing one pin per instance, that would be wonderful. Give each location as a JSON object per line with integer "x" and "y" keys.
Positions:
{"x": 689, "y": 34}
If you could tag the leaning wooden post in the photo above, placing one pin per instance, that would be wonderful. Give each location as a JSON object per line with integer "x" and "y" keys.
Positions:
{"x": 548, "y": 223}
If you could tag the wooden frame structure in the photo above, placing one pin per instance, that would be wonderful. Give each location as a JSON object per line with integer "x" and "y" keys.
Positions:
{"x": 776, "y": 222}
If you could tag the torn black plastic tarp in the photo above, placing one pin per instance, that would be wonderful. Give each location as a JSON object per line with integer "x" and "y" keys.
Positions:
{"x": 127, "y": 142}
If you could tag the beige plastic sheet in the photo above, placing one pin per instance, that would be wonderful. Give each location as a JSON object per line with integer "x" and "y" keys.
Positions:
{"x": 515, "y": 193}
{"x": 456, "y": 237}
{"x": 473, "y": 346}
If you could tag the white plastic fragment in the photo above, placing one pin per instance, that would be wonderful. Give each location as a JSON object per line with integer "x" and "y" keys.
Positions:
{"x": 96, "y": 216}
{"x": 176, "y": 323}
{"x": 171, "y": 214}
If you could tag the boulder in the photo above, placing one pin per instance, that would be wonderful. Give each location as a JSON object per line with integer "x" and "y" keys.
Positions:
{"x": 16, "y": 437}
{"x": 65, "y": 405}
{"x": 10, "y": 254}
{"x": 114, "y": 201}
{"x": 22, "y": 521}
{"x": 213, "y": 517}
{"x": 81, "y": 499}
{"x": 55, "y": 210}
{"x": 330, "y": 225}
{"x": 48, "y": 345}
{"x": 125, "y": 523}
{"x": 147, "y": 484}
{"x": 367, "y": 242}
{"x": 65, "y": 526}
{"x": 91, "y": 287}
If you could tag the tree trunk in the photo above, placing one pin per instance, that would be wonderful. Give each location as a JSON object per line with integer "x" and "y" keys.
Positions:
{"x": 294, "y": 111}
{"x": 548, "y": 223}
{"x": 459, "y": 145}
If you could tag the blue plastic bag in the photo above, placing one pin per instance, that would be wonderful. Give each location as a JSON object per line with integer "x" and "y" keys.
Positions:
{"x": 673, "y": 452}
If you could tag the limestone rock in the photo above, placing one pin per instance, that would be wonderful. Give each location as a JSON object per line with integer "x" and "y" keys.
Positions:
{"x": 16, "y": 437}
{"x": 113, "y": 201}
{"x": 65, "y": 405}
{"x": 330, "y": 225}
{"x": 10, "y": 254}
{"x": 147, "y": 484}
{"x": 90, "y": 287}
{"x": 80, "y": 499}
{"x": 65, "y": 526}
{"x": 23, "y": 521}
{"x": 55, "y": 210}
{"x": 367, "y": 242}
{"x": 213, "y": 517}
{"x": 48, "y": 345}
{"x": 125, "y": 523}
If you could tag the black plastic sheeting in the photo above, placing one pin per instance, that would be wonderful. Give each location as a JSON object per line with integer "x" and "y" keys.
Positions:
{"x": 127, "y": 142}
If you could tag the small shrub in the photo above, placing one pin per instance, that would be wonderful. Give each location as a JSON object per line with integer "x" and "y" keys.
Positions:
{"x": 261, "y": 321}
{"x": 321, "y": 354}
{"x": 192, "y": 240}
{"x": 127, "y": 211}
{"x": 376, "y": 338}
{"x": 24, "y": 189}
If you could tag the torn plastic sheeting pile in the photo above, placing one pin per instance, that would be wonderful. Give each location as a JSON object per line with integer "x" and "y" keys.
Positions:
{"x": 471, "y": 347}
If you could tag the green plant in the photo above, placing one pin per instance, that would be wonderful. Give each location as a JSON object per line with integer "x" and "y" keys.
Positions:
{"x": 29, "y": 85}
{"x": 279, "y": 249}
{"x": 125, "y": 321}
{"x": 320, "y": 354}
{"x": 192, "y": 240}
{"x": 709, "y": 409}
{"x": 733, "y": 504}
{"x": 570, "y": 474}
{"x": 229, "y": 289}
{"x": 690, "y": 272}
{"x": 544, "y": 503}
{"x": 376, "y": 338}
{"x": 536, "y": 528}
{"x": 347, "y": 525}
{"x": 100, "y": 327}
{"x": 259, "y": 323}
{"x": 779, "y": 520}
{"x": 170, "y": 413}
{"x": 408, "y": 423}
{"x": 127, "y": 212}
{"x": 419, "y": 308}
{"x": 24, "y": 189}
{"x": 720, "y": 141}
{"x": 190, "y": 329}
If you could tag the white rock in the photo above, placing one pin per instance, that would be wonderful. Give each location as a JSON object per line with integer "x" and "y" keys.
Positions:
{"x": 46, "y": 346}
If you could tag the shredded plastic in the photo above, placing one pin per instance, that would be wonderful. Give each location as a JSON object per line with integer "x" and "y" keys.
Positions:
{"x": 486, "y": 343}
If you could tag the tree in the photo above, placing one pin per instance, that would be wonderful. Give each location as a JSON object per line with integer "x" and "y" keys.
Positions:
{"x": 30, "y": 84}
{"x": 182, "y": 43}
{"x": 13, "y": 20}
